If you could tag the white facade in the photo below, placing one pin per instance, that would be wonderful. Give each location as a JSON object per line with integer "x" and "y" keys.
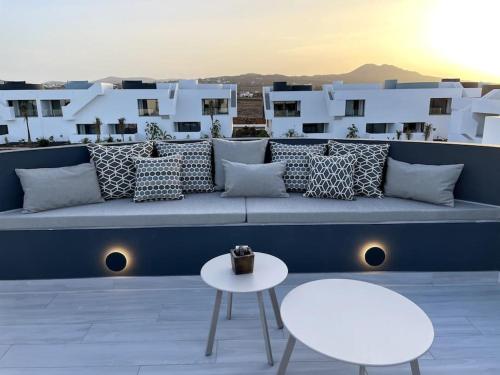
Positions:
{"x": 177, "y": 108}
{"x": 381, "y": 111}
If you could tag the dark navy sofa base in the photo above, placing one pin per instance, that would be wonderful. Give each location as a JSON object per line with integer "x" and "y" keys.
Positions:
{"x": 76, "y": 253}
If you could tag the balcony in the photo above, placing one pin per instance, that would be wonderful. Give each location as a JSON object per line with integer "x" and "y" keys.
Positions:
{"x": 68, "y": 311}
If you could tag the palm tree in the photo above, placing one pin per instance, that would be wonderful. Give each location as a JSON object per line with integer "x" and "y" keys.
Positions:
{"x": 121, "y": 126}
{"x": 25, "y": 114}
{"x": 98, "y": 124}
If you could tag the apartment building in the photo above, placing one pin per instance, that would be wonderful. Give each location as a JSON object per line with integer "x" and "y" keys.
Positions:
{"x": 183, "y": 109}
{"x": 457, "y": 111}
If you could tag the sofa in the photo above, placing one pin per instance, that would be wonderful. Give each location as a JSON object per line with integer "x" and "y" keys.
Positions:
{"x": 310, "y": 235}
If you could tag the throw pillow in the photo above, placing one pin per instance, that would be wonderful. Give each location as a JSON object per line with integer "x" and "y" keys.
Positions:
{"x": 247, "y": 152}
{"x": 158, "y": 178}
{"x": 254, "y": 180}
{"x": 331, "y": 177}
{"x": 115, "y": 167}
{"x": 297, "y": 162}
{"x": 196, "y": 174}
{"x": 427, "y": 183}
{"x": 369, "y": 168}
{"x": 50, "y": 188}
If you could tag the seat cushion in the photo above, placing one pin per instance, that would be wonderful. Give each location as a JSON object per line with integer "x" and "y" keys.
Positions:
{"x": 195, "y": 209}
{"x": 298, "y": 209}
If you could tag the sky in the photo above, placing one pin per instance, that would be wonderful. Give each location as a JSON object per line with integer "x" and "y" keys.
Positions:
{"x": 91, "y": 39}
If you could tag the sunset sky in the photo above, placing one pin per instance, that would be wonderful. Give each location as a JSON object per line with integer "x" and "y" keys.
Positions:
{"x": 91, "y": 39}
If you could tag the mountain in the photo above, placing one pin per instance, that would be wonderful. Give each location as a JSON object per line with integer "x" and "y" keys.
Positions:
{"x": 364, "y": 74}
{"x": 253, "y": 82}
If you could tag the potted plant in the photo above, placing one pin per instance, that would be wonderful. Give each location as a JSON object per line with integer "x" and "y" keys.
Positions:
{"x": 98, "y": 124}
{"x": 242, "y": 259}
{"x": 428, "y": 129}
{"x": 399, "y": 133}
{"x": 121, "y": 127}
{"x": 352, "y": 131}
{"x": 25, "y": 114}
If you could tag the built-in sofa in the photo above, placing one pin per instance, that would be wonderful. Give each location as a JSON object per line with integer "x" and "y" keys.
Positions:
{"x": 310, "y": 235}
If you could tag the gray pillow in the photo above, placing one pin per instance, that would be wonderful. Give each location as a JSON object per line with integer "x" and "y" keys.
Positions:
{"x": 248, "y": 152}
{"x": 254, "y": 180}
{"x": 426, "y": 183}
{"x": 50, "y": 188}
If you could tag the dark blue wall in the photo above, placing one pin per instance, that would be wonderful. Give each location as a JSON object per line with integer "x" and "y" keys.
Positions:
{"x": 304, "y": 248}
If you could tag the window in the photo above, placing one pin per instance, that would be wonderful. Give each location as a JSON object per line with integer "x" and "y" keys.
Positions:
{"x": 440, "y": 106}
{"x": 87, "y": 129}
{"x": 413, "y": 127}
{"x": 215, "y": 106}
{"x": 148, "y": 107}
{"x": 4, "y": 130}
{"x": 122, "y": 128}
{"x": 53, "y": 108}
{"x": 314, "y": 128}
{"x": 377, "y": 128}
{"x": 287, "y": 109}
{"x": 24, "y": 106}
{"x": 354, "y": 108}
{"x": 186, "y": 127}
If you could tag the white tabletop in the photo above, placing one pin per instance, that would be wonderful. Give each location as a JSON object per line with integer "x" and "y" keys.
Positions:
{"x": 268, "y": 271}
{"x": 357, "y": 322}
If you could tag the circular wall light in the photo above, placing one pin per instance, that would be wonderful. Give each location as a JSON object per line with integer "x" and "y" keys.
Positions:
{"x": 116, "y": 261}
{"x": 374, "y": 256}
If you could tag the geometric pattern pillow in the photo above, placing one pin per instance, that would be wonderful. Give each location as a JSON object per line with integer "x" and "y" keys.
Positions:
{"x": 297, "y": 162}
{"x": 369, "y": 168}
{"x": 331, "y": 177}
{"x": 115, "y": 167}
{"x": 158, "y": 178}
{"x": 196, "y": 175}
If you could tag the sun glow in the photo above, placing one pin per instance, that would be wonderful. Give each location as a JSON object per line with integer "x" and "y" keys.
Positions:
{"x": 463, "y": 35}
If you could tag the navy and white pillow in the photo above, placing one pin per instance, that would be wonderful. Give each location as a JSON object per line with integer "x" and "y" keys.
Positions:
{"x": 196, "y": 175}
{"x": 331, "y": 177}
{"x": 158, "y": 178}
{"x": 369, "y": 167}
{"x": 297, "y": 163}
{"x": 115, "y": 167}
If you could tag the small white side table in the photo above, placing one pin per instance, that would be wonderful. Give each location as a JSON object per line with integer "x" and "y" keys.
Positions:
{"x": 268, "y": 272}
{"x": 356, "y": 322}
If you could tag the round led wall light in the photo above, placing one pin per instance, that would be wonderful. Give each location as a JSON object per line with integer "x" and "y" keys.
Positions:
{"x": 116, "y": 261}
{"x": 375, "y": 256}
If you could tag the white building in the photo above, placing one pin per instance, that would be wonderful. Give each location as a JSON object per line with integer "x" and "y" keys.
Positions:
{"x": 457, "y": 111}
{"x": 181, "y": 109}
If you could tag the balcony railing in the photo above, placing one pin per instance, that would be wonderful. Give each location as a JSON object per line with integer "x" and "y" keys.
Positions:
{"x": 286, "y": 113}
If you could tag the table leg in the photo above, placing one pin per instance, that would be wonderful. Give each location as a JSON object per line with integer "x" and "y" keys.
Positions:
{"x": 264, "y": 328}
{"x": 286, "y": 355}
{"x": 415, "y": 369}
{"x": 213, "y": 323}
{"x": 362, "y": 370}
{"x": 229, "y": 305}
{"x": 276, "y": 308}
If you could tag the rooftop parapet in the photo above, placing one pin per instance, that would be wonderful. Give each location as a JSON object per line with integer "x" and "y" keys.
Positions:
{"x": 20, "y": 85}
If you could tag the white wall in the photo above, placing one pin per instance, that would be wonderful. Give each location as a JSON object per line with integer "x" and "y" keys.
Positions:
{"x": 491, "y": 134}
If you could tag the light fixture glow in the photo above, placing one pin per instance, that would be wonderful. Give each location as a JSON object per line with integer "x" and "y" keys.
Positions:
{"x": 373, "y": 254}
{"x": 117, "y": 260}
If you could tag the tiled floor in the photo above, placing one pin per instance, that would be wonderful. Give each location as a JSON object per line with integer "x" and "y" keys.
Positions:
{"x": 159, "y": 325}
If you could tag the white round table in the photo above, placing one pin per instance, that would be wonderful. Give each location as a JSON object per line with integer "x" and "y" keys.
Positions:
{"x": 356, "y": 322}
{"x": 268, "y": 272}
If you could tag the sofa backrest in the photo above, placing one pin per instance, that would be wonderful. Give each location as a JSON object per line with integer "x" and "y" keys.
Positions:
{"x": 479, "y": 182}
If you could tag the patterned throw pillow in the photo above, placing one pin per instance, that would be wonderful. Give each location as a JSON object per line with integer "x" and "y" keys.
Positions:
{"x": 331, "y": 177}
{"x": 158, "y": 178}
{"x": 369, "y": 166}
{"x": 115, "y": 167}
{"x": 196, "y": 175}
{"x": 297, "y": 162}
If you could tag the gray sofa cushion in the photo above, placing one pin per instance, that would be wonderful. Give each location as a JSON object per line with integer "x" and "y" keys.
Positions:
{"x": 51, "y": 188}
{"x": 248, "y": 152}
{"x": 426, "y": 183}
{"x": 254, "y": 180}
{"x": 298, "y": 209}
{"x": 194, "y": 209}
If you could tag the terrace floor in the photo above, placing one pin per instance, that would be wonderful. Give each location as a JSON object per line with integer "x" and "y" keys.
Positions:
{"x": 158, "y": 325}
